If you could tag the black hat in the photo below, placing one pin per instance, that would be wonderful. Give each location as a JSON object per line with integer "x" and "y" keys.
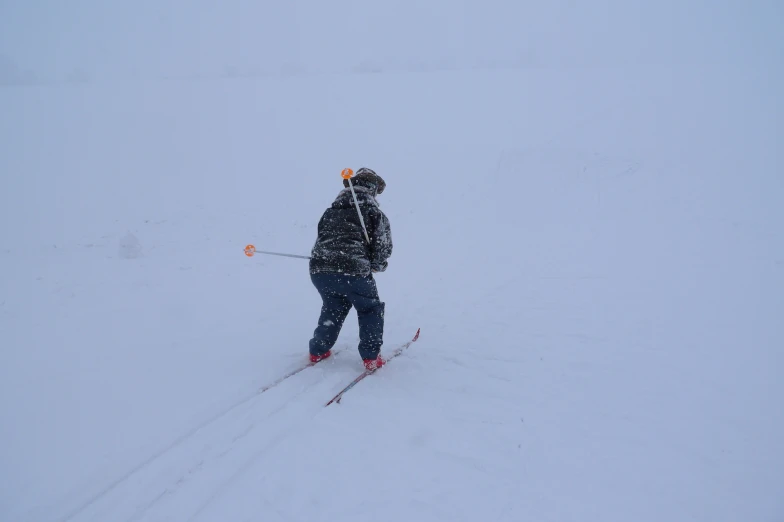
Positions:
{"x": 366, "y": 177}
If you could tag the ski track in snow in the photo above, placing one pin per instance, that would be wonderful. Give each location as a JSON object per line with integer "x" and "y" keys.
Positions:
{"x": 221, "y": 443}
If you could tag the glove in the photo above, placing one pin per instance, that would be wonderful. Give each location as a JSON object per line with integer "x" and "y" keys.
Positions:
{"x": 378, "y": 267}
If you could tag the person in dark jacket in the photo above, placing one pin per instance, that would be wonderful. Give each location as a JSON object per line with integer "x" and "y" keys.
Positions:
{"x": 342, "y": 265}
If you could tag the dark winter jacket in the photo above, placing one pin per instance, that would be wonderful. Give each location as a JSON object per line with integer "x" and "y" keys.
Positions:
{"x": 341, "y": 247}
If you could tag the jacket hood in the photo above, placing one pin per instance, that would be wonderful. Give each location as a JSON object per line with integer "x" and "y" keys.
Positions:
{"x": 364, "y": 197}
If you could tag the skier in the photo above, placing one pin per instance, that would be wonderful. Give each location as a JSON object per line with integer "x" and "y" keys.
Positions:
{"x": 343, "y": 261}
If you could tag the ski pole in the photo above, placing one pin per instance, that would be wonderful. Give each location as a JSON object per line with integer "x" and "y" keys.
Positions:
{"x": 346, "y": 174}
{"x": 250, "y": 250}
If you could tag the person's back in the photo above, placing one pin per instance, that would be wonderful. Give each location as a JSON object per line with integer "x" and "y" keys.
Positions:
{"x": 341, "y": 246}
{"x": 342, "y": 265}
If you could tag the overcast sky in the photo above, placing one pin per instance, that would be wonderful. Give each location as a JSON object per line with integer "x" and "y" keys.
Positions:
{"x": 54, "y": 38}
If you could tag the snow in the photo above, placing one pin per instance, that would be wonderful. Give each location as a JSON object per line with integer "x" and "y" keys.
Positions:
{"x": 585, "y": 202}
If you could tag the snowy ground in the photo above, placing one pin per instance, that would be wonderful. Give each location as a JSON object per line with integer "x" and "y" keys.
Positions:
{"x": 595, "y": 257}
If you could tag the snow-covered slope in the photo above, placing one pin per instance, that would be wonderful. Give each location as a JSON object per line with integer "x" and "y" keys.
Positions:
{"x": 594, "y": 255}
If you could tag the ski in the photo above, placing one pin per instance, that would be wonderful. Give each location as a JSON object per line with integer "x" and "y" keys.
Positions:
{"x": 296, "y": 371}
{"x": 364, "y": 374}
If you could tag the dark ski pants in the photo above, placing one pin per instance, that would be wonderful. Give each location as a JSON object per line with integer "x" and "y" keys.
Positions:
{"x": 339, "y": 293}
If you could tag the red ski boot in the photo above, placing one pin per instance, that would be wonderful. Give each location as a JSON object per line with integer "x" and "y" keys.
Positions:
{"x": 373, "y": 364}
{"x": 317, "y": 358}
